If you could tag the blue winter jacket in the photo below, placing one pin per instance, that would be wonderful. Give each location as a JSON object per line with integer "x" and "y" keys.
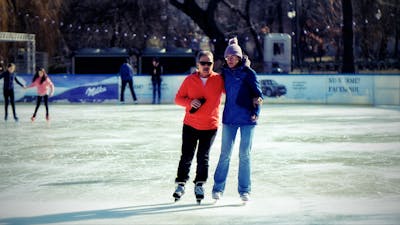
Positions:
{"x": 126, "y": 72}
{"x": 9, "y": 80}
{"x": 241, "y": 87}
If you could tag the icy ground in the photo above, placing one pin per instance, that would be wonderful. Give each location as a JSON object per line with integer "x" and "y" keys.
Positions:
{"x": 116, "y": 164}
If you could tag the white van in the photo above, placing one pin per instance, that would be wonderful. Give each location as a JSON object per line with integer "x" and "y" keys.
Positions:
{"x": 277, "y": 53}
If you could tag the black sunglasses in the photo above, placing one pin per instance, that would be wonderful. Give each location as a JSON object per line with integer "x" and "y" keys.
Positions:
{"x": 206, "y": 63}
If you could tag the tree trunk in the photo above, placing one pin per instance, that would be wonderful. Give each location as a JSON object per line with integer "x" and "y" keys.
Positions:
{"x": 396, "y": 44}
{"x": 397, "y": 34}
{"x": 205, "y": 20}
{"x": 280, "y": 16}
{"x": 253, "y": 32}
{"x": 347, "y": 36}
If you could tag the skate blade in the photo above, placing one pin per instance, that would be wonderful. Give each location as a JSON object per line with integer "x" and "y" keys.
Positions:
{"x": 215, "y": 201}
{"x": 199, "y": 199}
{"x": 176, "y": 198}
{"x": 244, "y": 202}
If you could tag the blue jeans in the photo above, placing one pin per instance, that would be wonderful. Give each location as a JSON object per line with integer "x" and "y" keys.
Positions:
{"x": 156, "y": 90}
{"x": 228, "y": 140}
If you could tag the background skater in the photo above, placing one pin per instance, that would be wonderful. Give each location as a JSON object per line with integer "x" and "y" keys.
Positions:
{"x": 156, "y": 73}
{"x": 45, "y": 88}
{"x": 126, "y": 74}
{"x": 8, "y": 89}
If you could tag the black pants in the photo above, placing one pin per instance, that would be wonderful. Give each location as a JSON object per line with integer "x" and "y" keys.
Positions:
{"x": 130, "y": 82}
{"x": 46, "y": 103}
{"x": 190, "y": 138}
{"x": 9, "y": 98}
{"x": 156, "y": 90}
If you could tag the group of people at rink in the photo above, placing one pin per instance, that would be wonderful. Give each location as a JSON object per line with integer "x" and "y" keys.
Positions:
{"x": 41, "y": 81}
{"x": 126, "y": 74}
{"x": 200, "y": 93}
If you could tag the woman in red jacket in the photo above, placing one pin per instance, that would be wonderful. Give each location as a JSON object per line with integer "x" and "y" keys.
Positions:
{"x": 200, "y": 93}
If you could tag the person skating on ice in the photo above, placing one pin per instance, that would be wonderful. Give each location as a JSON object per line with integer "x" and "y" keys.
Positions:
{"x": 200, "y": 94}
{"x": 8, "y": 89}
{"x": 156, "y": 73}
{"x": 45, "y": 88}
{"x": 126, "y": 74}
{"x": 241, "y": 111}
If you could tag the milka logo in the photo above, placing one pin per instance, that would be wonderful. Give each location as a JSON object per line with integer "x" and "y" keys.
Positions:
{"x": 92, "y": 91}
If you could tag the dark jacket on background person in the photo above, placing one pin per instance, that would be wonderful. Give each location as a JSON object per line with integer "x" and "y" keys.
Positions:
{"x": 9, "y": 80}
{"x": 156, "y": 73}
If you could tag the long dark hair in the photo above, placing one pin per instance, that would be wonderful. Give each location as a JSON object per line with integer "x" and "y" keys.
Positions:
{"x": 44, "y": 77}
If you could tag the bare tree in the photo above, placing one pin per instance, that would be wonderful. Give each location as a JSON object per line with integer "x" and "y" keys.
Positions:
{"x": 33, "y": 17}
{"x": 120, "y": 23}
{"x": 208, "y": 18}
{"x": 347, "y": 36}
{"x": 64, "y": 25}
{"x": 205, "y": 19}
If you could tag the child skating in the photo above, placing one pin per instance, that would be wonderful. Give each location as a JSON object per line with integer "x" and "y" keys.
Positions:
{"x": 45, "y": 88}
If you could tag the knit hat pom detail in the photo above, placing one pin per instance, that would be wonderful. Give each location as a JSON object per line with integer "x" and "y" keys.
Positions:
{"x": 233, "y": 41}
{"x": 233, "y": 48}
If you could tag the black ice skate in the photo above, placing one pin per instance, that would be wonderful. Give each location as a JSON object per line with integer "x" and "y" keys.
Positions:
{"x": 199, "y": 192}
{"x": 179, "y": 191}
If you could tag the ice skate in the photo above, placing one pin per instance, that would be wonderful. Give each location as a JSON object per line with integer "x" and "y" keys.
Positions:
{"x": 245, "y": 197}
{"x": 33, "y": 118}
{"x": 199, "y": 192}
{"x": 217, "y": 195}
{"x": 179, "y": 191}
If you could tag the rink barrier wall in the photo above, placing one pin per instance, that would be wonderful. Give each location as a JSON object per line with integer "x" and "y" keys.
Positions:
{"x": 366, "y": 89}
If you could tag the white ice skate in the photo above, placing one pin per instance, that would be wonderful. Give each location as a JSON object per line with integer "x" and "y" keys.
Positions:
{"x": 217, "y": 195}
{"x": 245, "y": 197}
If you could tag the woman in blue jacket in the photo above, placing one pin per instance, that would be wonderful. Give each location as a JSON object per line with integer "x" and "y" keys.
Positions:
{"x": 241, "y": 111}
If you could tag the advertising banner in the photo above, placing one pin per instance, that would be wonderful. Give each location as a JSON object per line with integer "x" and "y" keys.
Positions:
{"x": 72, "y": 88}
{"x": 336, "y": 89}
{"x": 293, "y": 88}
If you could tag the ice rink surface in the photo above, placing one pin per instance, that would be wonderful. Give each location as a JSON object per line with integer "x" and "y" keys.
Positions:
{"x": 116, "y": 164}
